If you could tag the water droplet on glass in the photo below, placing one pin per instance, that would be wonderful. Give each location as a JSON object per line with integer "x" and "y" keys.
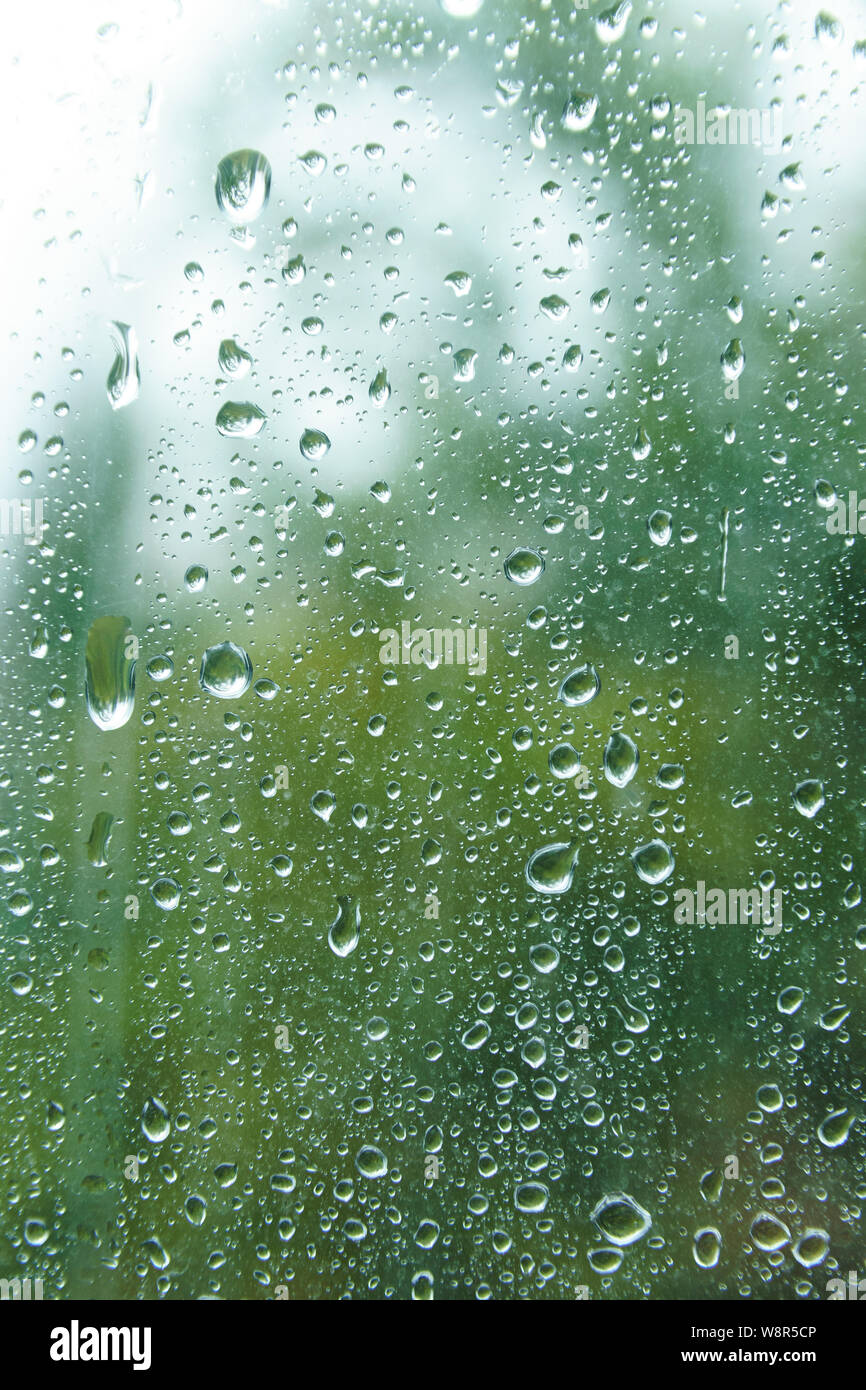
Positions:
{"x": 380, "y": 390}
{"x": 825, "y": 495}
{"x": 240, "y": 419}
{"x": 833, "y": 1131}
{"x": 323, "y": 803}
{"x": 579, "y": 111}
{"x": 459, "y": 282}
{"x": 768, "y": 1232}
{"x": 654, "y": 862}
{"x": 124, "y": 379}
{"x": 196, "y": 578}
{"x": 610, "y": 25}
{"x": 345, "y": 930}
{"x": 165, "y": 893}
{"x": 476, "y": 1035}
{"x": 233, "y": 359}
{"x": 563, "y": 761}
{"x": 581, "y": 686}
{"x": 733, "y": 360}
{"x": 464, "y": 364}
{"x": 621, "y": 1219}
{"x": 554, "y": 306}
{"x": 371, "y": 1162}
{"x": 572, "y": 357}
{"x": 812, "y": 1248}
{"x": 314, "y": 444}
{"x": 620, "y": 760}
{"x": 523, "y": 566}
{"x": 243, "y": 185}
{"x": 155, "y": 1122}
{"x": 109, "y": 683}
{"x": 551, "y": 870}
{"x": 809, "y": 798}
{"x": 707, "y": 1247}
{"x": 531, "y": 1197}
{"x": 100, "y": 834}
{"x": 226, "y": 671}
{"x": 195, "y": 1209}
{"x": 461, "y": 9}
{"x": 659, "y": 527}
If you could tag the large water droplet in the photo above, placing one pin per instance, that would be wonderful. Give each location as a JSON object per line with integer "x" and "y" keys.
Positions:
{"x": 531, "y": 1197}
{"x": 812, "y": 1247}
{"x": 155, "y": 1122}
{"x": 371, "y": 1162}
{"x": 621, "y": 1219}
{"x": 165, "y": 893}
{"x": 620, "y": 759}
{"x": 314, "y": 445}
{"x": 233, "y": 360}
{"x": 654, "y": 862}
{"x": 551, "y": 870}
{"x": 610, "y": 25}
{"x": 380, "y": 389}
{"x": 109, "y": 682}
{"x": 324, "y": 803}
{"x": 243, "y": 185}
{"x": 124, "y": 379}
{"x": 809, "y": 798}
{"x": 579, "y": 111}
{"x": 226, "y": 671}
{"x": 707, "y": 1247}
{"x": 659, "y": 527}
{"x": 196, "y": 578}
{"x": 523, "y": 566}
{"x": 581, "y": 686}
{"x": 768, "y": 1232}
{"x": 100, "y": 834}
{"x": 240, "y": 419}
{"x": 476, "y": 1035}
{"x": 563, "y": 761}
{"x": 834, "y": 1131}
{"x": 733, "y": 360}
{"x": 345, "y": 930}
